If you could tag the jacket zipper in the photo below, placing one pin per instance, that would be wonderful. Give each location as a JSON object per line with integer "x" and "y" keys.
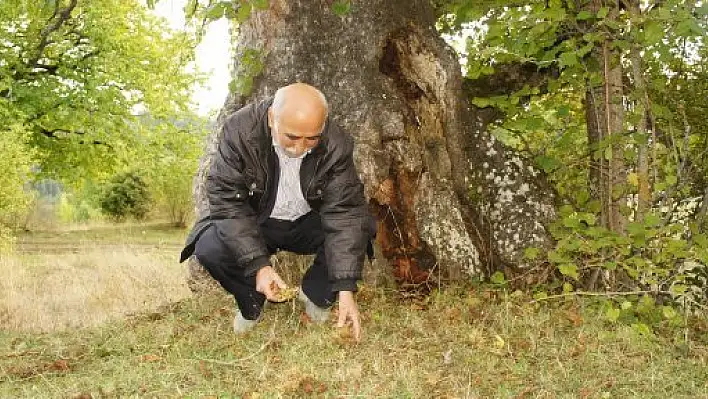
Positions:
{"x": 314, "y": 174}
{"x": 266, "y": 169}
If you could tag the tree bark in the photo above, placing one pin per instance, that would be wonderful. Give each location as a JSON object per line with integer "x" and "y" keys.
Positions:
{"x": 450, "y": 199}
{"x": 604, "y": 112}
{"x": 605, "y": 118}
{"x": 643, "y": 106}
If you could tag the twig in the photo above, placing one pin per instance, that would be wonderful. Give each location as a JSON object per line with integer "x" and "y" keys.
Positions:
{"x": 243, "y": 359}
{"x": 609, "y": 293}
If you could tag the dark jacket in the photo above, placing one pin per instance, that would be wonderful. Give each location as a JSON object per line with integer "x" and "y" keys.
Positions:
{"x": 242, "y": 184}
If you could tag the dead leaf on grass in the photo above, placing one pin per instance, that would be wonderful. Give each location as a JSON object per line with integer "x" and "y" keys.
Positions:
{"x": 59, "y": 365}
{"x": 575, "y": 318}
{"x": 149, "y": 358}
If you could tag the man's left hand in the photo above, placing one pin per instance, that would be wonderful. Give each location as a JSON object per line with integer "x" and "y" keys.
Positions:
{"x": 349, "y": 313}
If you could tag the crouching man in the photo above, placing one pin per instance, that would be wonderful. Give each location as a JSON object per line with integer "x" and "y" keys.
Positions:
{"x": 283, "y": 178}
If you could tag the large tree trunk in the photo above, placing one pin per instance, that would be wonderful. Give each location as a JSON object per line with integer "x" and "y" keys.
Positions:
{"x": 450, "y": 199}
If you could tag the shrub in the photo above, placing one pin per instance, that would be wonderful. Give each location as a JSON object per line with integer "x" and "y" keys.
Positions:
{"x": 125, "y": 195}
{"x": 657, "y": 255}
{"x": 172, "y": 188}
{"x": 15, "y": 163}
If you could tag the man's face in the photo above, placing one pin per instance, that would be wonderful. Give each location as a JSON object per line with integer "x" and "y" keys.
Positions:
{"x": 295, "y": 142}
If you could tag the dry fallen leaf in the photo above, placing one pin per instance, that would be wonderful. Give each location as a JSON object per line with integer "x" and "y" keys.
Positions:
{"x": 150, "y": 358}
{"x": 344, "y": 332}
{"x": 283, "y": 294}
{"x": 60, "y": 365}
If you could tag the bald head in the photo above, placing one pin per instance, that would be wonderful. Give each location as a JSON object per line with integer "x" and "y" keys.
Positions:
{"x": 300, "y": 104}
{"x": 297, "y": 117}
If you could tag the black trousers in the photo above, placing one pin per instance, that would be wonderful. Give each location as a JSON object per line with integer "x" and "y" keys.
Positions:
{"x": 302, "y": 236}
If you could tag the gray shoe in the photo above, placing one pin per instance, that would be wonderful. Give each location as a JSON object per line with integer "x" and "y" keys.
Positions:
{"x": 241, "y": 324}
{"x": 317, "y": 314}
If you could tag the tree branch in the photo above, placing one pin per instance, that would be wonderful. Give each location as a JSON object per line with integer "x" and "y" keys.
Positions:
{"x": 54, "y": 135}
{"x": 57, "y": 20}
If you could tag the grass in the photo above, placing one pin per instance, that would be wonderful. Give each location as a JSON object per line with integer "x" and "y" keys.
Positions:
{"x": 462, "y": 342}
{"x": 69, "y": 337}
{"x": 78, "y": 278}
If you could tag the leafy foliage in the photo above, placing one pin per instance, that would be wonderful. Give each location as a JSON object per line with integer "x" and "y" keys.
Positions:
{"x": 341, "y": 7}
{"x": 250, "y": 65}
{"x": 16, "y": 162}
{"x": 661, "y": 142}
{"x": 79, "y": 71}
{"x": 178, "y": 145}
{"x": 126, "y": 195}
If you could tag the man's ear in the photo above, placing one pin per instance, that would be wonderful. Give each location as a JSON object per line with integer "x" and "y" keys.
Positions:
{"x": 270, "y": 117}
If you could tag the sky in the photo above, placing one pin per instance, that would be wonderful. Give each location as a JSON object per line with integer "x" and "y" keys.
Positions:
{"x": 212, "y": 57}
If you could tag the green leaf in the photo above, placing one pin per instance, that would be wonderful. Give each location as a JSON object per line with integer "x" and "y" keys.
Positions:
{"x": 570, "y": 270}
{"x": 243, "y": 13}
{"x": 539, "y": 296}
{"x": 498, "y": 278}
{"x": 653, "y": 32}
{"x": 626, "y": 305}
{"x": 260, "y": 4}
{"x": 603, "y": 12}
{"x": 584, "y": 15}
{"x": 568, "y": 59}
{"x": 230, "y": 13}
{"x": 548, "y": 164}
{"x": 563, "y": 111}
{"x": 589, "y": 218}
{"x": 341, "y": 7}
{"x": 642, "y": 329}
{"x": 689, "y": 28}
{"x": 531, "y": 253}
{"x": 652, "y": 220}
{"x": 568, "y": 288}
{"x": 571, "y": 222}
{"x": 555, "y": 13}
{"x": 482, "y": 102}
{"x": 216, "y": 10}
{"x": 669, "y": 312}
{"x": 678, "y": 289}
{"x": 556, "y": 257}
{"x": 190, "y": 8}
{"x": 582, "y": 196}
{"x": 612, "y": 314}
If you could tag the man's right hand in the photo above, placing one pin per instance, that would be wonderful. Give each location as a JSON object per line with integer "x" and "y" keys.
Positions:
{"x": 268, "y": 283}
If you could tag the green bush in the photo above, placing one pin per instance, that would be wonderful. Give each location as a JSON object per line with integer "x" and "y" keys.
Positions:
{"x": 126, "y": 195}
{"x": 15, "y": 163}
{"x": 668, "y": 259}
{"x": 170, "y": 160}
{"x": 171, "y": 186}
{"x": 75, "y": 209}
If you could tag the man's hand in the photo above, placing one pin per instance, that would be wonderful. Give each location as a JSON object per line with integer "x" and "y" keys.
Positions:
{"x": 269, "y": 283}
{"x": 349, "y": 313}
